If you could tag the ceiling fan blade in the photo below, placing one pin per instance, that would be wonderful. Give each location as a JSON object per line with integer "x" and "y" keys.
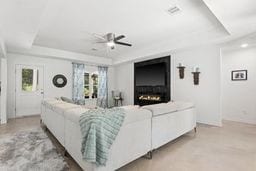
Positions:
{"x": 101, "y": 41}
{"x": 119, "y": 37}
{"x": 99, "y": 36}
{"x": 99, "y": 47}
{"x": 122, "y": 43}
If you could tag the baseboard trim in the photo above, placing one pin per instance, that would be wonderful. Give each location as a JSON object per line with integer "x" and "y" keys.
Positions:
{"x": 240, "y": 121}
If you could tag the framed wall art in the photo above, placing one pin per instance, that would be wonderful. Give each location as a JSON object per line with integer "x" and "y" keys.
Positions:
{"x": 239, "y": 75}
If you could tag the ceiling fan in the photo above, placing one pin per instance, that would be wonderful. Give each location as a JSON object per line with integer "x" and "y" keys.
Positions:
{"x": 111, "y": 40}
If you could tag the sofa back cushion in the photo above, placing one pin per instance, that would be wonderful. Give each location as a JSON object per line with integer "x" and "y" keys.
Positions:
{"x": 65, "y": 99}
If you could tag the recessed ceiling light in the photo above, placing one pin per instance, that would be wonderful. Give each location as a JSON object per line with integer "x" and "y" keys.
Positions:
{"x": 244, "y": 45}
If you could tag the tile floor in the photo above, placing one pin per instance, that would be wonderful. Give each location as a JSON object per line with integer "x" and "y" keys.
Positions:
{"x": 229, "y": 148}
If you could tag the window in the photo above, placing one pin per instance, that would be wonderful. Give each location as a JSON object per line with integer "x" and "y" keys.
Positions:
{"x": 86, "y": 85}
{"x": 29, "y": 79}
{"x": 90, "y": 85}
{"x": 95, "y": 85}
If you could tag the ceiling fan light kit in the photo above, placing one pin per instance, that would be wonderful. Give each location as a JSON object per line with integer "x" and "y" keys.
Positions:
{"x": 111, "y": 40}
{"x": 110, "y": 43}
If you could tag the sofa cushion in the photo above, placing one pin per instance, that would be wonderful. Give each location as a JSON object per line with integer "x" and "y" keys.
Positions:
{"x": 62, "y": 107}
{"x": 68, "y": 100}
{"x": 135, "y": 114}
{"x": 180, "y": 105}
{"x": 130, "y": 107}
{"x": 74, "y": 114}
{"x": 132, "y": 115}
{"x": 51, "y": 102}
{"x": 163, "y": 108}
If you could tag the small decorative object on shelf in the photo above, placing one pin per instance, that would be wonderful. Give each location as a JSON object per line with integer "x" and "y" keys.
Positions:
{"x": 181, "y": 70}
{"x": 196, "y": 73}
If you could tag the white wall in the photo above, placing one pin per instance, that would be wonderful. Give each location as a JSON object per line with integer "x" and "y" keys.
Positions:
{"x": 239, "y": 97}
{"x": 206, "y": 95}
{"x": 3, "y": 97}
{"x": 124, "y": 81}
{"x": 3, "y": 80}
{"x": 51, "y": 68}
{"x": 2, "y": 47}
{"x": 0, "y": 86}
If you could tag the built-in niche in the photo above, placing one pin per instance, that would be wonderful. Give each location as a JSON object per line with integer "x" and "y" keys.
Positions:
{"x": 152, "y": 81}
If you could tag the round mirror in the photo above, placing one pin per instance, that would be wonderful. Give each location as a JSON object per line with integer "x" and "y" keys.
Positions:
{"x": 59, "y": 81}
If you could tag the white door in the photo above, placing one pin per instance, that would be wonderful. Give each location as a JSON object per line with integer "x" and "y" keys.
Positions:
{"x": 29, "y": 90}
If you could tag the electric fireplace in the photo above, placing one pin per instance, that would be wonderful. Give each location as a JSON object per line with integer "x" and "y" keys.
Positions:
{"x": 152, "y": 81}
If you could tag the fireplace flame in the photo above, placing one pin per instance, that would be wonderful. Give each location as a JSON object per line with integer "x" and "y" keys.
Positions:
{"x": 150, "y": 97}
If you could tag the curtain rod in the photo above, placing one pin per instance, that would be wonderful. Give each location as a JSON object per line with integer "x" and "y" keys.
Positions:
{"x": 89, "y": 64}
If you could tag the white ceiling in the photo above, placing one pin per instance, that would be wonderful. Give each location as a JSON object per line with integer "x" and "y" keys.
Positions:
{"x": 19, "y": 21}
{"x": 250, "y": 40}
{"x": 69, "y": 24}
{"x": 237, "y": 16}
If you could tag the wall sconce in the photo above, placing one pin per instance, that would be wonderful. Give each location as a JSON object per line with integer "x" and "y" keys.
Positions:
{"x": 196, "y": 73}
{"x": 181, "y": 70}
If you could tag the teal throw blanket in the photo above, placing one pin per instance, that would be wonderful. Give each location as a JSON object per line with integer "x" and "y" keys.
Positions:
{"x": 99, "y": 128}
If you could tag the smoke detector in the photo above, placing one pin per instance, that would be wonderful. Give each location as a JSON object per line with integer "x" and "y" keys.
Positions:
{"x": 174, "y": 9}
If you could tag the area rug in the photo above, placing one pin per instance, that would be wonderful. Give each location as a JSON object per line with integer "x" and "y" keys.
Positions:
{"x": 30, "y": 151}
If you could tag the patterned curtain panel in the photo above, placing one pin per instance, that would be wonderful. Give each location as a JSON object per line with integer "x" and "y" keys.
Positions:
{"x": 78, "y": 83}
{"x": 102, "y": 99}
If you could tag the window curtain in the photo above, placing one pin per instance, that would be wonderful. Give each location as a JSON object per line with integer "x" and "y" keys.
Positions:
{"x": 102, "y": 99}
{"x": 78, "y": 83}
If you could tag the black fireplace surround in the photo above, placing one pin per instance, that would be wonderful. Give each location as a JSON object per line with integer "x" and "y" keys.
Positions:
{"x": 152, "y": 81}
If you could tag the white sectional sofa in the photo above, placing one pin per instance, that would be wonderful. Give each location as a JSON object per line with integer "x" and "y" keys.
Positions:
{"x": 132, "y": 141}
{"x": 171, "y": 120}
{"x": 53, "y": 117}
{"x": 144, "y": 129}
